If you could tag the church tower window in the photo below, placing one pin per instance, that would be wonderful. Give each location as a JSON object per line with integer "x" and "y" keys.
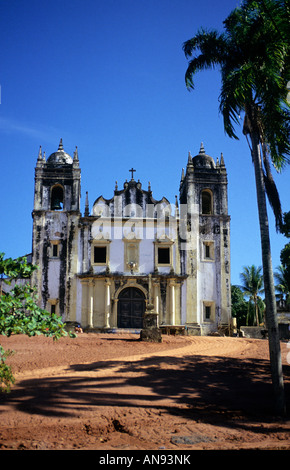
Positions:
{"x": 208, "y": 251}
{"x": 56, "y": 198}
{"x": 55, "y": 246}
{"x": 208, "y": 311}
{"x": 206, "y": 202}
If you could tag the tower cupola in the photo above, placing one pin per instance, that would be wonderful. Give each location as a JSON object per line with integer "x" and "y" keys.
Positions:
{"x": 60, "y": 157}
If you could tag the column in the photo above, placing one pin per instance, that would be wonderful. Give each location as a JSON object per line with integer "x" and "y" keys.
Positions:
{"x": 91, "y": 303}
{"x": 156, "y": 295}
{"x": 107, "y": 303}
{"x": 114, "y": 316}
{"x": 172, "y": 301}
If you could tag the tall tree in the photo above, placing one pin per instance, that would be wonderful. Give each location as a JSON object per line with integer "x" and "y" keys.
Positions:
{"x": 239, "y": 306}
{"x": 252, "y": 286}
{"x": 253, "y": 55}
{"x": 284, "y": 269}
{"x": 282, "y": 282}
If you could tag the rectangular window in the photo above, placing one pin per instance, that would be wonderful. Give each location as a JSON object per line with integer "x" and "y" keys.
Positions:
{"x": 207, "y": 312}
{"x": 54, "y": 250}
{"x": 164, "y": 255}
{"x": 208, "y": 251}
{"x": 52, "y": 309}
{"x": 100, "y": 254}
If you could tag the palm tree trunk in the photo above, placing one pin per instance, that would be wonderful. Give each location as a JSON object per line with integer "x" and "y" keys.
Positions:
{"x": 256, "y": 310}
{"x": 271, "y": 310}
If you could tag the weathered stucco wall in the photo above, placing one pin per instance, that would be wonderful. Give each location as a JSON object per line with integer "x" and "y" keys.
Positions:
{"x": 85, "y": 261}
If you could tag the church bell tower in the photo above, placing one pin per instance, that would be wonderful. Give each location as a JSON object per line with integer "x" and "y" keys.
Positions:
{"x": 206, "y": 250}
{"x": 55, "y": 223}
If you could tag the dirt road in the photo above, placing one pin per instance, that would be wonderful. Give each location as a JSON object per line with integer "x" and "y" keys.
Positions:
{"x": 114, "y": 392}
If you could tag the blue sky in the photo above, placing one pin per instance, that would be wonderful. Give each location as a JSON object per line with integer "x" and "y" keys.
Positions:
{"x": 107, "y": 76}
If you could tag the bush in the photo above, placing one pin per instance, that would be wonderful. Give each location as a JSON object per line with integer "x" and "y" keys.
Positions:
{"x": 20, "y": 314}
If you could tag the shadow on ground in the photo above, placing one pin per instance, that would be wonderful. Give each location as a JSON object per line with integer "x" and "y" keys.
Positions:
{"x": 209, "y": 388}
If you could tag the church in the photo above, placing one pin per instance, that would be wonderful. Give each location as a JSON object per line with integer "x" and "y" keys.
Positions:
{"x": 105, "y": 268}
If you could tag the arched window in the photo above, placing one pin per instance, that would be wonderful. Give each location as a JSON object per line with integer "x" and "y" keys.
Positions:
{"x": 56, "y": 198}
{"x": 206, "y": 202}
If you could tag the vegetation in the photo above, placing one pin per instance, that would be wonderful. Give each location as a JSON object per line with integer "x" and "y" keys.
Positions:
{"x": 19, "y": 312}
{"x": 282, "y": 285}
{"x": 282, "y": 277}
{"x": 252, "y": 286}
{"x": 253, "y": 56}
{"x": 248, "y": 306}
{"x": 240, "y": 306}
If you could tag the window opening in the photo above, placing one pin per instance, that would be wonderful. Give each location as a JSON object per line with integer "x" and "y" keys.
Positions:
{"x": 57, "y": 198}
{"x": 100, "y": 254}
{"x": 207, "y": 312}
{"x": 206, "y": 202}
{"x": 54, "y": 250}
{"x": 207, "y": 251}
{"x": 164, "y": 255}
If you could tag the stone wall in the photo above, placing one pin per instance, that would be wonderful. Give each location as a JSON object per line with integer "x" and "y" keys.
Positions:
{"x": 261, "y": 332}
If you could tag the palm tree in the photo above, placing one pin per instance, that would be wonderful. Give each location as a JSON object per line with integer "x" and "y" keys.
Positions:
{"x": 252, "y": 286}
{"x": 253, "y": 57}
{"x": 282, "y": 285}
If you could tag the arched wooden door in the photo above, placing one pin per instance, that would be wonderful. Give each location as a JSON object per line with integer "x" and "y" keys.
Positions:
{"x": 131, "y": 308}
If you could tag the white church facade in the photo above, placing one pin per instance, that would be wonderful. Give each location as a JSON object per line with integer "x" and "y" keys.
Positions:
{"x": 104, "y": 268}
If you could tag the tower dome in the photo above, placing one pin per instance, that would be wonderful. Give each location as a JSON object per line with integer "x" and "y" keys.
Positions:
{"x": 60, "y": 157}
{"x": 202, "y": 160}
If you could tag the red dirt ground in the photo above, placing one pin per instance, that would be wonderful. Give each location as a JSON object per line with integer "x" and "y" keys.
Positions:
{"x": 114, "y": 392}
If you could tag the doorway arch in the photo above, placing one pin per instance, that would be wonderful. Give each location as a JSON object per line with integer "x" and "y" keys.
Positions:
{"x": 131, "y": 308}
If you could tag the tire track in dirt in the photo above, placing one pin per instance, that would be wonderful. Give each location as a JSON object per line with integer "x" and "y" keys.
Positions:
{"x": 197, "y": 345}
